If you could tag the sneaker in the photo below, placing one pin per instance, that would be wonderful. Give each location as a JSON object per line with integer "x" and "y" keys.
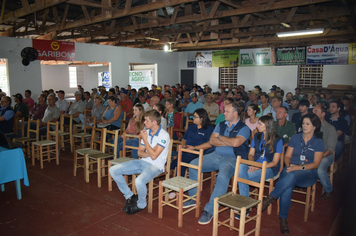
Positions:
{"x": 133, "y": 209}
{"x": 172, "y": 195}
{"x": 205, "y": 218}
{"x": 189, "y": 203}
{"x": 130, "y": 202}
{"x": 237, "y": 217}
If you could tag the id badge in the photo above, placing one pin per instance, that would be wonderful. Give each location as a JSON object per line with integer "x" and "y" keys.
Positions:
{"x": 302, "y": 158}
{"x": 262, "y": 155}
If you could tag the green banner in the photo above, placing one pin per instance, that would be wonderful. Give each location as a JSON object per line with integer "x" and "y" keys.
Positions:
{"x": 228, "y": 58}
{"x": 255, "y": 57}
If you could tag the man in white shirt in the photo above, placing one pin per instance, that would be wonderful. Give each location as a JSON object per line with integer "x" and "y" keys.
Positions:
{"x": 154, "y": 150}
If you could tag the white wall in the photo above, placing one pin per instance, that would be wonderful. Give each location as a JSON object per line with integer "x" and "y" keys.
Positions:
{"x": 22, "y": 77}
{"x": 339, "y": 74}
{"x": 266, "y": 76}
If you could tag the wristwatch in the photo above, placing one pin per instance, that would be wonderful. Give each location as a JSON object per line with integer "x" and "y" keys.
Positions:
{"x": 219, "y": 136}
{"x": 303, "y": 167}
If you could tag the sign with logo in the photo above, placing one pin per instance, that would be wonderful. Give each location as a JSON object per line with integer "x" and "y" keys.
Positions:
{"x": 54, "y": 50}
{"x": 140, "y": 78}
{"x": 228, "y": 58}
{"x": 204, "y": 59}
{"x": 288, "y": 56}
{"x": 328, "y": 54}
{"x": 192, "y": 60}
{"x": 255, "y": 57}
{"x": 104, "y": 80}
{"x": 352, "y": 53}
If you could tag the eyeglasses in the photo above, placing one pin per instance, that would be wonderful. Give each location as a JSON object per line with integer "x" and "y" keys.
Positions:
{"x": 196, "y": 117}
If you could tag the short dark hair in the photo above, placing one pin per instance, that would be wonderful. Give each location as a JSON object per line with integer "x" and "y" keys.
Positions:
{"x": 154, "y": 116}
{"x": 231, "y": 100}
{"x": 339, "y": 105}
{"x": 285, "y": 108}
{"x": 304, "y": 102}
{"x": 167, "y": 91}
{"x": 112, "y": 98}
{"x": 236, "y": 107}
{"x": 43, "y": 96}
{"x": 87, "y": 93}
{"x": 170, "y": 101}
{"x": 28, "y": 91}
{"x": 265, "y": 95}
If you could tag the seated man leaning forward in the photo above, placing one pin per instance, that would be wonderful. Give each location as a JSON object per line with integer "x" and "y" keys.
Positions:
{"x": 154, "y": 150}
{"x": 230, "y": 138}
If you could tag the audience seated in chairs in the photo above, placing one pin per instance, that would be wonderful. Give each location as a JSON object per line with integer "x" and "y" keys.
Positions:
{"x": 136, "y": 124}
{"x": 30, "y": 103}
{"x": 20, "y": 109}
{"x": 252, "y": 120}
{"x": 38, "y": 111}
{"x": 76, "y": 109}
{"x": 330, "y": 140}
{"x": 61, "y": 103}
{"x": 303, "y": 156}
{"x": 154, "y": 150}
{"x": 111, "y": 119}
{"x": 196, "y": 137}
{"x": 97, "y": 109}
{"x": 230, "y": 139}
{"x": 6, "y": 115}
{"x": 210, "y": 106}
{"x": 267, "y": 146}
{"x": 221, "y": 117}
{"x": 162, "y": 111}
{"x": 126, "y": 104}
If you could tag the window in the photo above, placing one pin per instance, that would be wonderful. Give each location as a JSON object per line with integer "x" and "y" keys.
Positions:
{"x": 4, "y": 79}
{"x": 310, "y": 76}
{"x": 228, "y": 77}
{"x": 73, "y": 77}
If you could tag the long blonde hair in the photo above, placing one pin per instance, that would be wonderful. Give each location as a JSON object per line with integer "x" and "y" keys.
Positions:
{"x": 140, "y": 119}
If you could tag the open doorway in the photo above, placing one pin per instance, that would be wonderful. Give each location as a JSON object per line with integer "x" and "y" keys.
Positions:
{"x": 142, "y": 75}
{"x": 4, "y": 77}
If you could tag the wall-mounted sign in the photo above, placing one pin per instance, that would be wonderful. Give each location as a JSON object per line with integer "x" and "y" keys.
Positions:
{"x": 104, "y": 80}
{"x": 204, "y": 59}
{"x": 255, "y": 57}
{"x": 328, "y": 54}
{"x": 288, "y": 56}
{"x": 192, "y": 60}
{"x": 140, "y": 78}
{"x": 54, "y": 50}
{"x": 228, "y": 58}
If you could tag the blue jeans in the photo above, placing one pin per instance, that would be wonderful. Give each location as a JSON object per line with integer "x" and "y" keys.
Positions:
{"x": 255, "y": 176}
{"x": 323, "y": 175}
{"x": 147, "y": 172}
{"x": 339, "y": 149}
{"x": 130, "y": 142}
{"x": 287, "y": 182}
{"x": 212, "y": 162}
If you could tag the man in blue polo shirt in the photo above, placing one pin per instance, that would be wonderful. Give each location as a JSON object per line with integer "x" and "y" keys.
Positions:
{"x": 230, "y": 138}
{"x": 192, "y": 106}
{"x": 6, "y": 115}
{"x": 340, "y": 125}
{"x": 154, "y": 150}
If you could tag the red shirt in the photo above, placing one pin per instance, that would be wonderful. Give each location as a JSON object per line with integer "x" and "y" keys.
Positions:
{"x": 29, "y": 103}
{"x": 160, "y": 96}
{"x": 126, "y": 106}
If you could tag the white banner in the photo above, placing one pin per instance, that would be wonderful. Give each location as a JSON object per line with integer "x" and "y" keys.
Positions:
{"x": 141, "y": 78}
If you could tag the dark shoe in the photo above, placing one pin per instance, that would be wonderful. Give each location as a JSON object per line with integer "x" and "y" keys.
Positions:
{"x": 326, "y": 196}
{"x": 267, "y": 201}
{"x": 130, "y": 202}
{"x": 237, "y": 216}
{"x": 205, "y": 218}
{"x": 133, "y": 209}
{"x": 283, "y": 223}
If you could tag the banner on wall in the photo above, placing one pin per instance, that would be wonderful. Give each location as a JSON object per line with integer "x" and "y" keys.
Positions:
{"x": 140, "y": 78}
{"x": 104, "y": 80}
{"x": 352, "y": 53}
{"x": 54, "y": 50}
{"x": 288, "y": 56}
{"x": 228, "y": 58}
{"x": 255, "y": 57}
{"x": 191, "y": 60}
{"x": 204, "y": 59}
{"x": 328, "y": 54}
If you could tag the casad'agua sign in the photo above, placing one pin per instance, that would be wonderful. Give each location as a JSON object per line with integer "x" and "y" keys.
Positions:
{"x": 54, "y": 50}
{"x": 328, "y": 54}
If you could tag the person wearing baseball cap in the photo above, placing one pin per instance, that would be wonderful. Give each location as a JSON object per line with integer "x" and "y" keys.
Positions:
{"x": 20, "y": 108}
{"x": 211, "y": 107}
{"x": 201, "y": 97}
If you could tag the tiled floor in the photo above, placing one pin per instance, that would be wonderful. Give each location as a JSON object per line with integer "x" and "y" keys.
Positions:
{"x": 57, "y": 203}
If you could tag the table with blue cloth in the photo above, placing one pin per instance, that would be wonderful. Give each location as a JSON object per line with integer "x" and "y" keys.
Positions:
{"x": 13, "y": 168}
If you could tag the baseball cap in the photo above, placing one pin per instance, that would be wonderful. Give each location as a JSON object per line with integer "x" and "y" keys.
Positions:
{"x": 94, "y": 89}
{"x": 112, "y": 90}
{"x": 193, "y": 95}
{"x": 98, "y": 97}
{"x": 18, "y": 95}
{"x": 273, "y": 89}
{"x": 217, "y": 93}
{"x": 210, "y": 95}
{"x": 174, "y": 89}
{"x": 77, "y": 92}
{"x": 141, "y": 95}
{"x": 158, "y": 88}
{"x": 254, "y": 92}
{"x": 61, "y": 91}
{"x": 3, "y": 93}
{"x": 123, "y": 91}
{"x": 200, "y": 90}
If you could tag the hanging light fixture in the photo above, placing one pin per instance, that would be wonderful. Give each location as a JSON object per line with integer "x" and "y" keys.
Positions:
{"x": 300, "y": 32}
